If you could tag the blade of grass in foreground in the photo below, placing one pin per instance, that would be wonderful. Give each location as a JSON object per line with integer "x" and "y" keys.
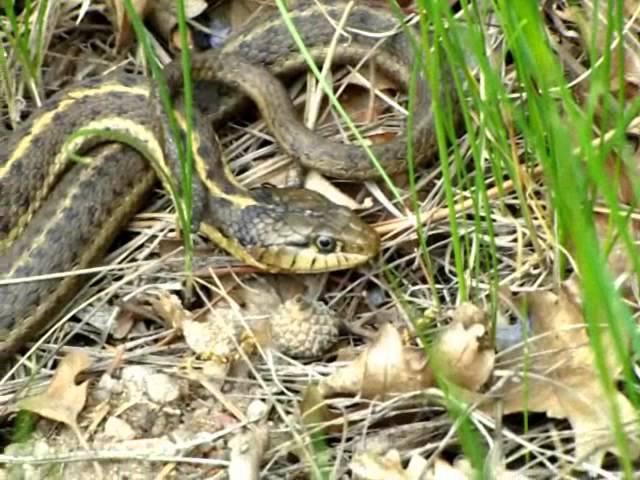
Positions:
{"x": 442, "y": 50}
{"x": 182, "y": 202}
{"x": 8, "y": 81}
{"x": 550, "y": 122}
{"x": 542, "y": 121}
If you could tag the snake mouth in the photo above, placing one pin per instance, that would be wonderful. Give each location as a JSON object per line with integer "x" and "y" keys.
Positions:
{"x": 307, "y": 260}
{"x": 298, "y": 258}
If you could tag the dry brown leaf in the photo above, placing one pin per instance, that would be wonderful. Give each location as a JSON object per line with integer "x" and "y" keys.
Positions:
{"x": 161, "y": 14}
{"x": 461, "y": 469}
{"x": 631, "y": 69}
{"x": 316, "y": 416}
{"x": 125, "y": 321}
{"x": 247, "y": 452}
{"x": 63, "y": 400}
{"x": 461, "y": 353}
{"x": 623, "y": 174}
{"x": 630, "y": 8}
{"x": 368, "y": 76}
{"x": 584, "y": 17}
{"x": 361, "y": 105}
{"x": 623, "y": 168}
{"x": 312, "y": 407}
{"x": 631, "y": 56}
{"x": 562, "y": 379}
{"x": 169, "y": 308}
{"x": 443, "y": 470}
{"x": 241, "y": 10}
{"x": 619, "y": 259}
{"x": 222, "y": 332}
{"x": 386, "y": 366}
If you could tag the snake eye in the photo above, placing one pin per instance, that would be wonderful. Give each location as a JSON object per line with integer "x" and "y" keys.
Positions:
{"x": 325, "y": 244}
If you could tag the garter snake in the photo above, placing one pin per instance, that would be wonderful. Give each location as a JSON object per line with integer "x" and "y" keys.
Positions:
{"x": 56, "y": 217}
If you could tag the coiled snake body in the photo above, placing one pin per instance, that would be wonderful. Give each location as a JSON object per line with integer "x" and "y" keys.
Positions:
{"x": 56, "y": 217}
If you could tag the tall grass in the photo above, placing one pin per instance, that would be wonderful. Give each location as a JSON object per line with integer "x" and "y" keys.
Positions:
{"x": 559, "y": 133}
{"x": 183, "y": 197}
{"x": 446, "y": 133}
{"x": 22, "y": 50}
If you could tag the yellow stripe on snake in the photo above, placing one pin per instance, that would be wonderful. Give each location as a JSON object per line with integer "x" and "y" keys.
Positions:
{"x": 57, "y": 215}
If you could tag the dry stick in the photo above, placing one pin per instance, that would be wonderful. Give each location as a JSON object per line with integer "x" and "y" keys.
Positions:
{"x": 107, "y": 455}
{"x": 393, "y": 226}
{"x": 316, "y": 98}
{"x": 438, "y": 214}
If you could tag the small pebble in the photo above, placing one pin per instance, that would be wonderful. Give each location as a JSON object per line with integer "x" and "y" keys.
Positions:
{"x": 257, "y": 410}
{"x": 161, "y": 388}
{"x": 118, "y": 429}
{"x": 133, "y": 378}
{"x": 107, "y": 386}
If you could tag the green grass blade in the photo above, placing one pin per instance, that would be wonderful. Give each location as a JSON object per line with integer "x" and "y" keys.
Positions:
{"x": 182, "y": 202}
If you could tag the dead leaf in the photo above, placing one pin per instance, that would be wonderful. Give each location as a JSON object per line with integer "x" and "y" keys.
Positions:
{"x": 461, "y": 469}
{"x": 623, "y": 174}
{"x": 316, "y": 418}
{"x": 169, "y": 308}
{"x": 461, "y": 354}
{"x": 123, "y": 324}
{"x": 619, "y": 259}
{"x": 561, "y": 376}
{"x": 361, "y": 105}
{"x": 386, "y": 366}
{"x": 313, "y": 408}
{"x": 361, "y": 99}
{"x": 247, "y": 452}
{"x": 443, "y": 470}
{"x": 222, "y": 332}
{"x": 63, "y": 400}
{"x": 161, "y": 14}
{"x": 241, "y": 11}
{"x": 592, "y": 25}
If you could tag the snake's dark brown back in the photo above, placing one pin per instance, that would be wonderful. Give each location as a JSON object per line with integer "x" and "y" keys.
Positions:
{"x": 27, "y": 170}
{"x": 92, "y": 202}
{"x": 278, "y": 228}
{"x": 369, "y": 33}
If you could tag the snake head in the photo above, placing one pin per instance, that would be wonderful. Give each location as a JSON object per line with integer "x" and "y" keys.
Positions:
{"x": 305, "y": 232}
{"x": 295, "y": 230}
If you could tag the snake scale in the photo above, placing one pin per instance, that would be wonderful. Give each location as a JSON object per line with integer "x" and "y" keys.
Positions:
{"x": 58, "y": 216}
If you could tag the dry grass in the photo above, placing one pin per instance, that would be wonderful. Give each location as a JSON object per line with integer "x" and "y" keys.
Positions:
{"x": 402, "y": 287}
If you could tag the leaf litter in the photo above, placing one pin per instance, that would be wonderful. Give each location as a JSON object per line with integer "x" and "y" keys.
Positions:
{"x": 172, "y": 386}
